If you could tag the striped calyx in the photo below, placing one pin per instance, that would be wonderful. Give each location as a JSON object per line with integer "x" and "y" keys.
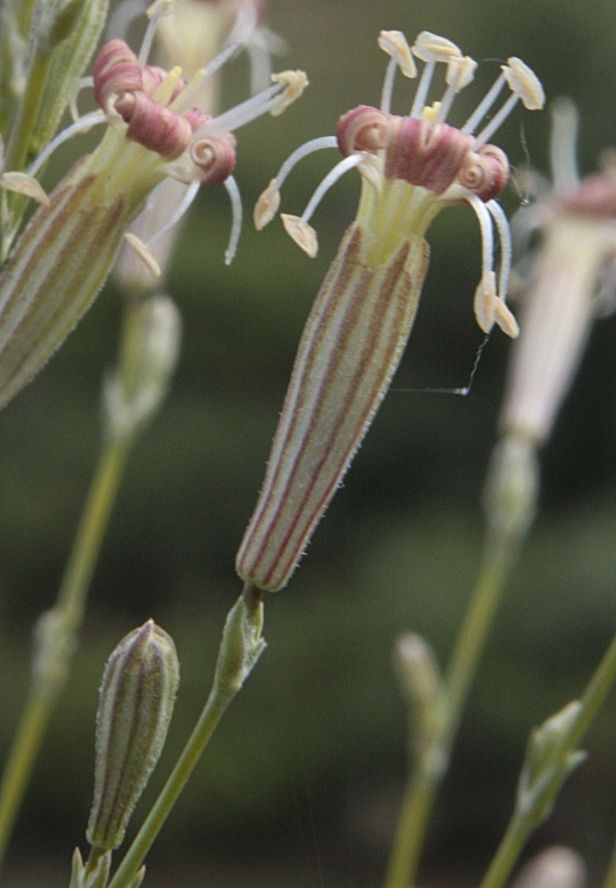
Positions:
{"x": 349, "y": 351}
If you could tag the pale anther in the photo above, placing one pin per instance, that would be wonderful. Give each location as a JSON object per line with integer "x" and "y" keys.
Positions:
{"x": 525, "y": 83}
{"x": 302, "y": 233}
{"x": 144, "y": 253}
{"x": 505, "y": 320}
{"x": 484, "y": 303}
{"x": 267, "y": 205}
{"x": 433, "y": 48}
{"x": 395, "y": 44}
{"x": 22, "y": 183}
{"x": 295, "y": 82}
{"x": 460, "y": 73}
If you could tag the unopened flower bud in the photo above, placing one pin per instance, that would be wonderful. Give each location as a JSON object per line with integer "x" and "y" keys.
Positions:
{"x": 556, "y": 867}
{"x": 417, "y": 669}
{"x": 512, "y": 488}
{"x": 136, "y": 703}
{"x": 148, "y": 357}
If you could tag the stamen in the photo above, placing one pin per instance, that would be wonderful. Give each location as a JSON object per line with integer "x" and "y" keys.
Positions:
{"x": 460, "y": 73}
{"x": 167, "y": 87}
{"x": 295, "y": 82}
{"x": 182, "y": 207}
{"x": 267, "y": 205}
{"x": 504, "y": 237}
{"x": 484, "y": 302}
{"x": 303, "y": 151}
{"x": 184, "y": 99}
{"x": 430, "y": 48}
{"x": 394, "y": 43}
{"x": 487, "y": 239}
{"x": 347, "y": 163}
{"x": 302, "y": 233}
{"x": 267, "y": 100}
{"x": 81, "y": 126}
{"x": 236, "y": 218}
{"x": 485, "y": 104}
{"x": 159, "y": 9}
{"x": 525, "y": 87}
{"x": 22, "y": 183}
{"x": 145, "y": 254}
{"x": 565, "y": 174}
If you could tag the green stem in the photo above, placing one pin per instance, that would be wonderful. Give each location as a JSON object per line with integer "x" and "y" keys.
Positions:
{"x": 212, "y": 713}
{"x": 610, "y": 876}
{"x": 51, "y": 669}
{"x": 426, "y": 778}
{"x": 524, "y": 820}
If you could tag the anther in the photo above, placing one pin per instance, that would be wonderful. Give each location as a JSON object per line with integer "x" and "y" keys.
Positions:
{"x": 394, "y": 43}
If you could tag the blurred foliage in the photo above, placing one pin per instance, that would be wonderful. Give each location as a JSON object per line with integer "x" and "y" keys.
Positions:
{"x": 307, "y": 767}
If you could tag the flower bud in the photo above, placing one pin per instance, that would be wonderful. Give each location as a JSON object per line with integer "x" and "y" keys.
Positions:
{"x": 136, "y": 703}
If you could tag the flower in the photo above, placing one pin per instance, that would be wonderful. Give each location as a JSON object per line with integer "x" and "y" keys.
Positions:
{"x": 153, "y": 131}
{"x": 410, "y": 167}
{"x": 571, "y": 277}
{"x": 571, "y": 280}
{"x": 192, "y": 33}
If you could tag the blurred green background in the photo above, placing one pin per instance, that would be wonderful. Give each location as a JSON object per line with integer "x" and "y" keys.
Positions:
{"x": 301, "y": 783}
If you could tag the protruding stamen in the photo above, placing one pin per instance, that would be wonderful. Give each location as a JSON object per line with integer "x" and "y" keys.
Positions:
{"x": 192, "y": 88}
{"x": 484, "y": 302}
{"x": 81, "y": 126}
{"x": 503, "y": 317}
{"x": 302, "y": 233}
{"x": 22, "y": 183}
{"x": 460, "y": 73}
{"x": 504, "y": 238}
{"x": 268, "y": 99}
{"x": 143, "y": 251}
{"x": 236, "y": 218}
{"x": 303, "y": 151}
{"x": 394, "y": 43}
{"x": 523, "y": 81}
{"x": 155, "y": 12}
{"x": 565, "y": 174}
{"x": 267, "y": 205}
{"x": 485, "y": 104}
{"x": 295, "y": 82}
{"x": 487, "y": 238}
{"x": 525, "y": 87}
{"x": 183, "y": 206}
{"x": 430, "y": 48}
{"x": 347, "y": 163}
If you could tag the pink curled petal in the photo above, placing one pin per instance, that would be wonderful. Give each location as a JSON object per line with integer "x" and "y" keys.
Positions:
{"x": 215, "y": 158}
{"x": 362, "y": 129}
{"x": 156, "y": 128}
{"x": 116, "y": 71}
{"x": 594, "y": 196}
{"x": 424, "y": 155}
{"x": 485, "y": 172}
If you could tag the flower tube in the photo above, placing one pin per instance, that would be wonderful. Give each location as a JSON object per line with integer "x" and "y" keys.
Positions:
{"x": 411, "y": 167}
{"x": 153, "y": 131}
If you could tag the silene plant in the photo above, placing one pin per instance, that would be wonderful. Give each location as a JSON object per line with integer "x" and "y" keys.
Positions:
{"x": 163, "y": 138}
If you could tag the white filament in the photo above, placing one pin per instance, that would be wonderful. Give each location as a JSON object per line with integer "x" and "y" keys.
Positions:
{"x": 81, "y": 126}
{"x": 484, "y": 106}
{"x": 422, "y": 89}
{"x": 236, "y": 218}
{"x": 348, "y": 163}
{"x": 504, "y": 235}
{"x": 187, "y": 199}
{"x": 499, "y": 118}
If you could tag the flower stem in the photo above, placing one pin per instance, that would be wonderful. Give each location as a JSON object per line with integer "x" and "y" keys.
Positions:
{"x": 526, "y": 818}
{"x": 425, "y": 779}
{"x": 57, "y": 634}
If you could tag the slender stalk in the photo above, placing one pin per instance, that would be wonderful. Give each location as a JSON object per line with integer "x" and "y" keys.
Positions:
{"x": 59, "y": 634}
{"x": 526, "y": 818}
{"x": 610, "y": 876}
{"x": 241, "y": 646}
{"x": 212, "y": 713}
{"x": 425, "y": 779}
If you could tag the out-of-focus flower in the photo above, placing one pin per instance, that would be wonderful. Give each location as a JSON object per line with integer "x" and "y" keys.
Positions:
{"x": 411, "y": 167}
{"x": 194, "y": 33}
{"x": 571, "y": 279}
{"x": 153, "y": 131}
{"x": 572, "y": 274}
{"x": 556, "y": 867}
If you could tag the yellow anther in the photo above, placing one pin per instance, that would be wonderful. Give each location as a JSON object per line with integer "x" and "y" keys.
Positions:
{"x": 524, "y": 83}
{"x": 267, "y": 205}
{"x": 394, "y": 43}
